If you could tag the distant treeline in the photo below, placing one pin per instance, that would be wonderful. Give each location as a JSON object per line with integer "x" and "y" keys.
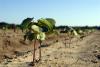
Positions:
{"x": 8, "y": 26}
{"x": 12, "y": 26}
{"x": 27, "y": 22}
{"x": 78, "y": 27}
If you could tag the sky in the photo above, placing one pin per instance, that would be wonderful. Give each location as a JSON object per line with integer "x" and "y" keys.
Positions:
{"x": 65, "y": 12}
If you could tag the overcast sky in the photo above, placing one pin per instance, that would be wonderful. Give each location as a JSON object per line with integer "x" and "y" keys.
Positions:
{"x": 65, "y": 12}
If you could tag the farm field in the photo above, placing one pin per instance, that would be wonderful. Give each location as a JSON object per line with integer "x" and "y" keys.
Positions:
{"x": 49, "y": 33}
{"x": 80, "y": 53}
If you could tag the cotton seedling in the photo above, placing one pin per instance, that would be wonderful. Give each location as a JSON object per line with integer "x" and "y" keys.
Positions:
{"x": 39, "y": 29}
{"x": 72, "y": 33}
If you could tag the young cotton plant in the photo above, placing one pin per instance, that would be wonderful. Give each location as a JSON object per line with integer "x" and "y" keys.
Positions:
{"x": 39, "y": 29}
{"x": 40, "y": 36}
{"x": 72, "y": 33}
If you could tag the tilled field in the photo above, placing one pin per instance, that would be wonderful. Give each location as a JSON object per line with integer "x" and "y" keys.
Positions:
{"x": 84, "y": 53}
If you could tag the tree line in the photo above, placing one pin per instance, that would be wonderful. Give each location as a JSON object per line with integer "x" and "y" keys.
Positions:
{"x": 27, "y": 22}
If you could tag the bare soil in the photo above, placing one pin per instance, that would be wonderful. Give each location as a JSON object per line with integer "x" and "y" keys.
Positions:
{"x": 80, "y": 53}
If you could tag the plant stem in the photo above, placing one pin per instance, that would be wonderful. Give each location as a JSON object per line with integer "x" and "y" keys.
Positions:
{"x": 34, "y": 52}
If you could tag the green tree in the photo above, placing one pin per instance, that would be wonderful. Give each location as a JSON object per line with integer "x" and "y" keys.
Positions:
{"x": 4, "y": 25}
